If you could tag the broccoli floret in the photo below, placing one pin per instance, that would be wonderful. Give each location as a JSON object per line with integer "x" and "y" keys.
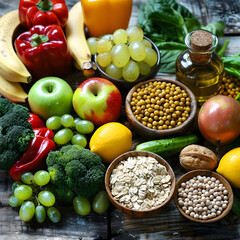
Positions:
{"x": 5, "y": 106}
{"x": 81, "y": 170}
{"x": 8, "y": 158}
{"x": 15, "y": 132}
{"x": 18, "y": 138}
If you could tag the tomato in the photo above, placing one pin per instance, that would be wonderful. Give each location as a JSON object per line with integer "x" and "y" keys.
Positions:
{"x": 219, "y": 119}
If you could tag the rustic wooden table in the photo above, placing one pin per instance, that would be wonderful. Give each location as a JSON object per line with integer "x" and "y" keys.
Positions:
{"x": 169, "y": 223}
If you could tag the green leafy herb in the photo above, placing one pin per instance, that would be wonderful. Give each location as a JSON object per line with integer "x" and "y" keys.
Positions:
{"x": 232, "y": 64}
{"x": 167, "y": 23}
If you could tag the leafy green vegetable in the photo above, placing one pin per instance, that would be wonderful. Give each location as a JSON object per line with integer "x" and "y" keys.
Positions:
{"x": 167, "y": 23}
{"x": 76, "y": 169}
{"x": 232, "y": 64}
{"x": 15, "y": 132}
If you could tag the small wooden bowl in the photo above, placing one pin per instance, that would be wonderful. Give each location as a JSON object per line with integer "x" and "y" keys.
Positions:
{"x": 129, "y": 211}
{"x": 125, "y": 84}
{"x": 206, "y": 173}
{"x": 152, "y": 133}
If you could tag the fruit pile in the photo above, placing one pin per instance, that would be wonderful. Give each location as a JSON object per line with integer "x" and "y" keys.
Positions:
{"x": 125, "y": 54}
{"x": 75, "y": 133}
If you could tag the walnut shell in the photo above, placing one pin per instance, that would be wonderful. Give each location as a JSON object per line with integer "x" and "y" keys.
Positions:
{"x": 195, "y": 157}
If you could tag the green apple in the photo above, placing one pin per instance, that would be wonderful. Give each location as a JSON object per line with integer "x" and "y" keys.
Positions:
{"x": 97, "y": 100}
{"x": 50, "y": 96}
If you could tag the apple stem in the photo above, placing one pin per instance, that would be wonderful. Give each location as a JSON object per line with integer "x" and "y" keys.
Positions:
{"x": 50, "y": 88}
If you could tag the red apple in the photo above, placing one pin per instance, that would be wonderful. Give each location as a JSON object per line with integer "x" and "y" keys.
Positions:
{"x": 97, "y": 100}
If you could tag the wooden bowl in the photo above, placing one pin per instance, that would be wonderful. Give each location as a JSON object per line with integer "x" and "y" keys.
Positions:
{"x": 206, "y": 173}
{"x": 121, "y": 83}
{"x": 147, "y": 132}
{"x": 130, "y": 211}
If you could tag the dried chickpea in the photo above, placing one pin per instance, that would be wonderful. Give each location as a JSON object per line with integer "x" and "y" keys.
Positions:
{"x": 230, "y": 85}
{"x": 160, "y": 105}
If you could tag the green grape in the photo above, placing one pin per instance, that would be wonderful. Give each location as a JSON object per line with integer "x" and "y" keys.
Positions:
{"x": 16, "y": 184}
{"x": 107, "y": 36}
{"x": 23, "y": 192}
{"x": 26, "y": 211}
{"x": 67, "y": 120}
{"x": 135, "y": 33}
{"x": 63, "y": 136}
{"x": 40, "y": 214}
{"x": 120, "y": 55}
{"x": 146, "y": 43}
{"x": 46, "y": 198}
{"x": 92, "y": 42}
{"x": 41, "y": 178}
{"x": 104, "y": 59}
{"x": 14, "y": 202}
{"x": 120, "y": 36}
{"x": 54, "y": 214}
{"x": 144, "y": 68}
{"x": 137, "y": 51}
{"x": 114, "y": 71}
{"x": 151, "y": 57}
{"x": 100, "y": 202}
{"x": 81, "y": 205}
{"x": 103, "y": 45}
{"x": 76, "y": 120}
{"x": 130, "y": 72}
{"x": 84, "y": 126}
{"x": 79, "y": 139}
{"x": 27, "y": 178}
{"x": 54, "y": 122}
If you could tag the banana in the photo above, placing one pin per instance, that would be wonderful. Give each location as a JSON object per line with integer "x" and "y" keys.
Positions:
{"x": 12, "y": 90}
{"x": 77, "y": 42}
{"x": 11, "y": 67}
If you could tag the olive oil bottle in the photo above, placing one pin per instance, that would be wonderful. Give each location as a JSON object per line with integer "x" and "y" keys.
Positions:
{"x": 199, "y": 67}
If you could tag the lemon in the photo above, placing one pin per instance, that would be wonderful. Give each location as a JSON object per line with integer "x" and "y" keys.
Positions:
{"x": 111, "y": 140}
{"x": 229, "y": 167}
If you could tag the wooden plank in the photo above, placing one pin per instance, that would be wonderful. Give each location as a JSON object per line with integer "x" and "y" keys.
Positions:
{"x": 208, "y": 11}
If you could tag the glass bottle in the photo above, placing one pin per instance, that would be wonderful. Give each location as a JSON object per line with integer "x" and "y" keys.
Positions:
{"x": 199, "y": 67}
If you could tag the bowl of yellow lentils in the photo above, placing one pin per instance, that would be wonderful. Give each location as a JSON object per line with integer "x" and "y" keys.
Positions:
{"x": 160, "y": 107}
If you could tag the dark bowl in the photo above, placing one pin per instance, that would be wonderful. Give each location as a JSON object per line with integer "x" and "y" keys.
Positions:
{"x": 125, "y": 84}
{"x": 147, "y": 132}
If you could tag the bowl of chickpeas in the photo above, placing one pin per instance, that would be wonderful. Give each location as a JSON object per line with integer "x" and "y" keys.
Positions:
{"x": 203, "y": 196}
{"x": 160, "y": 107}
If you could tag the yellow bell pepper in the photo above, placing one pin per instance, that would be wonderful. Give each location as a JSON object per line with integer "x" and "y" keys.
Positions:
{"x": 105, "y": 16}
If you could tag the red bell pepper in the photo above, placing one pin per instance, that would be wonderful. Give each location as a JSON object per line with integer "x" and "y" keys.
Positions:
{"x": 44, "y": 51}
{"x": 36, "y": 121}
{"x": 43, "y": 12}
{"x": 43, "y": 132}
{"x": 34, "y": 158}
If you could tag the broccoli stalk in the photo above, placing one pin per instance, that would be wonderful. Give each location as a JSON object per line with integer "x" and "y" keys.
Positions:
{"x": 78, "y": 169}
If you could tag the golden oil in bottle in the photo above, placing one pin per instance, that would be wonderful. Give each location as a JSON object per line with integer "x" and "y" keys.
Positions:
{"x": 199, "y": 68}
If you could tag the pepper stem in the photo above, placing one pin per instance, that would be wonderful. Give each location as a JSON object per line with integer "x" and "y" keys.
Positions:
{"x": 38, "y": 39}
{"x": 44, "y": 5}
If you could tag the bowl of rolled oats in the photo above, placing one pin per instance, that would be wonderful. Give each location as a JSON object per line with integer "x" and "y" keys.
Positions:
{"x": 203, "y": 196}
{"x": 139, "y": 183}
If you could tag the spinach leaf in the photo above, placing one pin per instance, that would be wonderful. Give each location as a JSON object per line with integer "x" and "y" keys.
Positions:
{"x": 169, "y": 53}
{"x": 232, "y": 64}
{"x": 166, "y": 23}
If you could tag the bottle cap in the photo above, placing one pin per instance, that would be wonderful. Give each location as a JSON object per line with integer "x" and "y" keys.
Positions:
{"x": 201, "y": 40}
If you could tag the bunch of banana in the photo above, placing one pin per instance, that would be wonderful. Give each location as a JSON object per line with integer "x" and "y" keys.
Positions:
{"x": 77, "y": 42}
{"x": 12, "y": 70}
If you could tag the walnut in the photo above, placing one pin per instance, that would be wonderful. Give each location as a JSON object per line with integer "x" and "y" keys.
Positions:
{"x": 195, "y": 157}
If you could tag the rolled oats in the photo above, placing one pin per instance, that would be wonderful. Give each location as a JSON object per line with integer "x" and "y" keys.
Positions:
{"x": 140, "y": 183}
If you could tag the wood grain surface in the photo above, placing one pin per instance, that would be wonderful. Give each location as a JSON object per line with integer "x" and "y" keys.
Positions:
{"x": 167, "y": 224}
